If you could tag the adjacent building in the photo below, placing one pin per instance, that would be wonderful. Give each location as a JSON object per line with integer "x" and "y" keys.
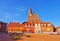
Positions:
{"x": 58, "y": 29}
{"x": 3, "y": 26}
{"x": 15, "y": 27}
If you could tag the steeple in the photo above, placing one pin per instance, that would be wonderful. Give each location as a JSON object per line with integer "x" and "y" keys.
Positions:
{"x": 33, "y": 17}
{"x": 30, "y": 11}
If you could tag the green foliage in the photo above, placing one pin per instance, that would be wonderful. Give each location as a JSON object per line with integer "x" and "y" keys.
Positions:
{"x": 15, "y": 37}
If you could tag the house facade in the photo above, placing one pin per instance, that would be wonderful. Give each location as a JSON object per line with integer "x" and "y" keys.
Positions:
{"x": 15, "y": 27}
{"x": 38, "y": 27}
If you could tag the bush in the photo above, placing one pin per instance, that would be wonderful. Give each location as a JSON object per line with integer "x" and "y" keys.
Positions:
{"x": 15, "y": 37}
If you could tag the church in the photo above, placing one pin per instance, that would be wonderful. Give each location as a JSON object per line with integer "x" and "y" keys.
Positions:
{"x": 33, "y": 25}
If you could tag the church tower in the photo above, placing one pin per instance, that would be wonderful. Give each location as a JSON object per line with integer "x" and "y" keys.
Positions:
{"x": 32, "y": 17}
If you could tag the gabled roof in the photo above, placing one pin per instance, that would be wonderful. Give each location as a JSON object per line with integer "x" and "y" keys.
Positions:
{"x": 15, "y": 24}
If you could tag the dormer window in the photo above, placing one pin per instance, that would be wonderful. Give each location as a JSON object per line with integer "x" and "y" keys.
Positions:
{"x": 49, "y": 24}
{"x": 30, "y": 24}
{"x": 44, "y": 24}
{"x": 26, "y": 24}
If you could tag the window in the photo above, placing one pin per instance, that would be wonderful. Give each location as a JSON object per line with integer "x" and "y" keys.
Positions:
{"x": 27, "y": 24}
{"x": 38, "y": 24}
{"x": 48, "y": 29}
{"x": 30, "y": 24}
{"x": 41, "y": 24}
{"x": 37, "y": 31}
{"x": 27, "y": 29}
{"x": 44, "y": 24}
{"x": 35, "y": 25}
{"x": 49, "y": 24}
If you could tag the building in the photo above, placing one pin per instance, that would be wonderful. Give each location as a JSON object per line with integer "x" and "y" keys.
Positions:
{"x": 3, "y": 26}
{"x": 15, "y": 27}
{"x": 58, "y": 29}
{"x": 28, "y": 27}
{"x": 33, "y": 25}
{"x": 39, "y": 26}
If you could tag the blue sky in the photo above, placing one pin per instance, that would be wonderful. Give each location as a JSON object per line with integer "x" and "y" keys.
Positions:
{"x": 17, "y": 10}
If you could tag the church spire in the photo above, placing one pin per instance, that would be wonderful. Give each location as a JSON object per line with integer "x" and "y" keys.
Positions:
{"x": 30, "y": 11}
{"x": 33, "y": 17}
